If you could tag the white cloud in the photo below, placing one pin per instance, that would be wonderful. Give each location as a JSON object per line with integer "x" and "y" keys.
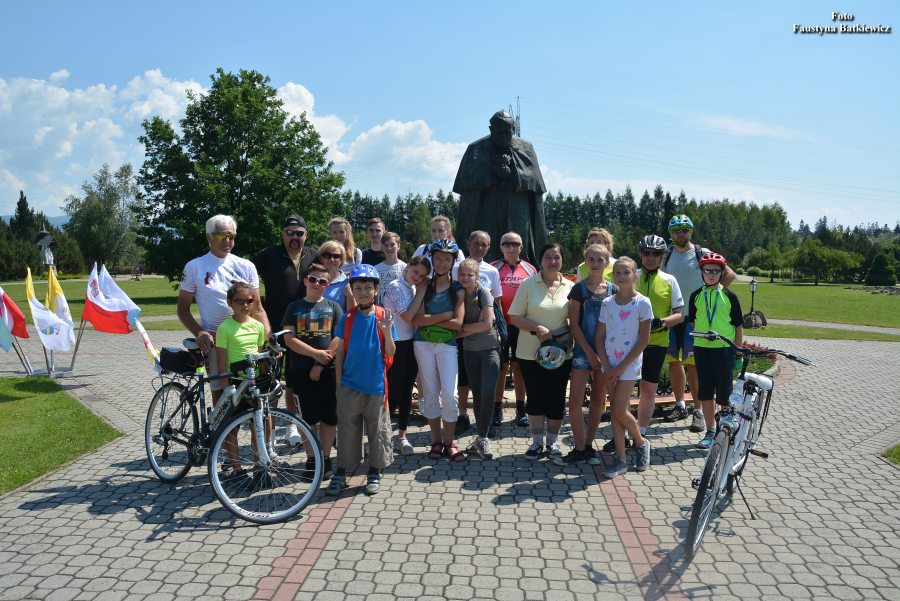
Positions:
{"x": 395, "y": 157}
{"x": 10, "y": 181}
{"x": 152, "y": 93}
{"x": 743, "y": 127}
{"x": 298, "y": 100}
{"x": 60, "y": 75}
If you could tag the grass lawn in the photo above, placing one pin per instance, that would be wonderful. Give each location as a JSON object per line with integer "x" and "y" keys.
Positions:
{"x": 893, "y": 454}
{"x": 42, "y": 428}
{"x": 838, "y": 303}
{"x": 780, "y": 331}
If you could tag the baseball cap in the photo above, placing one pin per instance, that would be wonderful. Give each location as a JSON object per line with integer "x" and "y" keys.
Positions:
{"x": 293, "y": 220}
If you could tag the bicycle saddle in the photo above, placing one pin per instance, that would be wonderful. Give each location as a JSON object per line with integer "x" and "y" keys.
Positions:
{"x": 190, "y": 344}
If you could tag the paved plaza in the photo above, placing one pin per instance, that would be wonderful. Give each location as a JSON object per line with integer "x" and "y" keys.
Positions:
{"x": 827, "y": 517}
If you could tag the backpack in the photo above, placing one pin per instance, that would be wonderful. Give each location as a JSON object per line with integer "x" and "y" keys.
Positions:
{"x": 499, "y": 322}
{"x": 698, "y": 252}
{"x": 348, "y": 327}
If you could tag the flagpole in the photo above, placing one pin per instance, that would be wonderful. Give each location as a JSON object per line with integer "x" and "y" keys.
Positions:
{"x": 47, "y": 360}
{"x": 77, "y": 342}
{"x": 22, "y": 358}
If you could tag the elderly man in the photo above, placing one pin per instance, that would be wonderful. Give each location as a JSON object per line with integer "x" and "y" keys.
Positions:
{"x": 513, "y": 271}
{"x": 500, "y": 186}
{"x": 282, "y": 268}
{"x": 206, "y": 279}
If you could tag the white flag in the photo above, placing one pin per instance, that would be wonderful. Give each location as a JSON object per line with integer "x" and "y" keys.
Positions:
{"x": 56, "y": 334}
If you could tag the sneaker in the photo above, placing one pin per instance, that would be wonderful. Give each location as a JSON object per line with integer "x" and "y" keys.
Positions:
{"x": 463, "y": 423}
{"x": 521, "y": 419}
{"x": 572, "y": 457}
{"x": 293, "y": 436}
{"x": 617, "y": 468}
{"x": 337, "y": 484}
{"x": 610, "y": 447}
{"x": 707, "y": 440}
{"x": 592, "y": 456}
{"x": 698, "y": 424}
{"x": 553, "y": 451}
{"x": 642, "y": 457}
{"x": 406, "y": 448}
{"x": 373, "y": 483}
{"x": 676, "y": 414}
{"x": 535, "y": 451}
{"x": 484, "y": 449}
{"x": 498, "y": 416}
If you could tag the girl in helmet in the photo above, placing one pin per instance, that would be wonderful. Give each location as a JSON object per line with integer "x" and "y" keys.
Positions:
{"x": 440, "y": 229}
{"x": 714, "y": 308}
{"x": 438, "y": 309}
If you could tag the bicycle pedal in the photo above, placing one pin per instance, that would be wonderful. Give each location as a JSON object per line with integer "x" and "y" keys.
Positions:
{"x": 695, "y": 483}
{"x": 759, "y": 453}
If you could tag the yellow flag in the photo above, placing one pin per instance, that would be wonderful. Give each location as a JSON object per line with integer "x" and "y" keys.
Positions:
{"x": 56, "y": 333}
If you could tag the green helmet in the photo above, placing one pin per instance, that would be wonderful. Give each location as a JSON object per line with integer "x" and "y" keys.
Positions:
{"x": 680, "y": 222}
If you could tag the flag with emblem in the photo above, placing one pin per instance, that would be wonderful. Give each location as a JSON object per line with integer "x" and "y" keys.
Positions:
{"x": 56, "y": 334}
{"x": 106, "y": 306}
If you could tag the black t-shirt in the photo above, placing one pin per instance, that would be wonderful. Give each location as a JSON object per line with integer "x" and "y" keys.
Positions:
{"x": 314, "y": 324}
{"x": 283, "y": 279}
{"x": 373, "y": 257}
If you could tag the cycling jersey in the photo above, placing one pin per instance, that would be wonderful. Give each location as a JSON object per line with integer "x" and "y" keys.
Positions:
{"x": 716, "y": 309}
{"x": 665, "y": 296}
{"x": 511, "y": 276}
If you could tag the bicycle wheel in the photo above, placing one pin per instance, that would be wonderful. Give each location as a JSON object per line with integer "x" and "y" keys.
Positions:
{"x": 259, "y": 493}
{"x": 748, "y": 443}
{"x": 171, "y": 425}
{"x": 707, "y": 493}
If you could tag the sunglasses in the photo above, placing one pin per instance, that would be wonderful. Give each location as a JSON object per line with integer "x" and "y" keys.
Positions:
{"x": 711, "y": 271}
{"x": 510, "y": 243}
{"x": 224, "y": 236}
{"x": 318, "y": 281}
{"x": 242, "y": 301}
{"x": 295, "y": 233}
{"x": 651, "y": 253}
{"x": 680, "y": 231}
{"x": 335, "y": 256}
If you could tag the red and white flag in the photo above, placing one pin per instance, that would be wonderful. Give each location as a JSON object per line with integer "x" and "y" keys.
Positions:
{"x": 106, "y": 307}
{"x": 12, "y": 321}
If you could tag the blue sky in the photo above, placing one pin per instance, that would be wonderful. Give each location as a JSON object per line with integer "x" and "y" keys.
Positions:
{"x": 720, "y": 99}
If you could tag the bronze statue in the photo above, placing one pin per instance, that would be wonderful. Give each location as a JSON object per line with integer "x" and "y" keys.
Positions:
{"x": 501, "y": 190}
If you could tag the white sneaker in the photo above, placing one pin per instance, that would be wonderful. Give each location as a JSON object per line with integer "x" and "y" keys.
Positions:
{"x": 553, "y": 451}
{"x": 406, "y": 448}
{"x": 293, "y": 436}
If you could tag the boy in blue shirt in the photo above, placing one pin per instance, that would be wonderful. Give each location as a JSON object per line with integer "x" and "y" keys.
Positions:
{"x": 364, "y": 353}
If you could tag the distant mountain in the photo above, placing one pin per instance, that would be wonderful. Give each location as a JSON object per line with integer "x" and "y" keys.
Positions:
{"x": 58, "y": 221}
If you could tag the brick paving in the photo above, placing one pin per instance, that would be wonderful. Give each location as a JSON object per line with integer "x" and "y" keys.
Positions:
{"x": 827, "y": 518}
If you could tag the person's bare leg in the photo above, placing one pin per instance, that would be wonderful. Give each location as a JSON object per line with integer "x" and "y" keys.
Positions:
{"x": 576, "y": 409}
{"x": 676, "y": 377}
{"x": 647, "y": 403}
{"x": 597, "y": 407}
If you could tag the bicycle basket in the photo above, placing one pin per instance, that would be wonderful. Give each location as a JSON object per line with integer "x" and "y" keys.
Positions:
{"x": 176, "y": 360}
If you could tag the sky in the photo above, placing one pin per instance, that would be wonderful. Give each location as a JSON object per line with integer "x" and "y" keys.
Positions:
{"x": 718, "y": 99}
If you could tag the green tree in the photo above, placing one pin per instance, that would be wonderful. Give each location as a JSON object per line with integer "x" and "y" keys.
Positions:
{"x": 102, "y": 220}
{"x": 882, "y": 272}
{"x": 24, "y": 223}
{"x": 238, "y": 153}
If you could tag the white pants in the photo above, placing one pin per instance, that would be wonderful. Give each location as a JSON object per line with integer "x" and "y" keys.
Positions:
{"x": 438, "y": 369}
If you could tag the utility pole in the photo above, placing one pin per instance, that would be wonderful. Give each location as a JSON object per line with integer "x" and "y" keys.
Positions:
{"x": 517, "y": 124}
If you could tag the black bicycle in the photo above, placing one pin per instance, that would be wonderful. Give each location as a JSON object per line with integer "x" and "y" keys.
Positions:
{"x": 254, "y": 470}
{"x": 737, "y": 434}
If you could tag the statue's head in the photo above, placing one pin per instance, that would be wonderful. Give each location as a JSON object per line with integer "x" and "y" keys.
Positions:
{"x": 502, "y": 127}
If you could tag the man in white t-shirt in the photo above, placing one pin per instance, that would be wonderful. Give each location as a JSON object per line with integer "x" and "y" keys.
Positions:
{"x": 206, "y": 279}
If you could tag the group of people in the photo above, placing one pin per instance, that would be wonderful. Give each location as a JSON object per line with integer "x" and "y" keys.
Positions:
{"x": 364, "y": 326}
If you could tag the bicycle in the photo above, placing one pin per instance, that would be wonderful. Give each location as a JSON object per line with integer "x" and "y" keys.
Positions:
{"x": 270, "y": 480}
{"x": 737, "y": 434}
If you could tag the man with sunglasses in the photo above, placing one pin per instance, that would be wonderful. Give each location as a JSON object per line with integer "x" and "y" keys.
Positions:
{"x": 207, "y": 279}
{"x": 682, "y": 260}
{"x": 282, "y": 267}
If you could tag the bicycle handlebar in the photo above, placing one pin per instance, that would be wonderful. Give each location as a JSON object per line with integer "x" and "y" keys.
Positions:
{"x": 748, "y": 351}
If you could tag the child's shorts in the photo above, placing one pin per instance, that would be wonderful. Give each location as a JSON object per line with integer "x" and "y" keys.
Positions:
{"x": 317, "y": 400}
{"x": 714, "y": 372}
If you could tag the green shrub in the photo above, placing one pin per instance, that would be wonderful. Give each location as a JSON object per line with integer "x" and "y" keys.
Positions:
{"x": 882, "y": 272}
{"x": 754, "y": 272}
{"x": 739, "y": 270}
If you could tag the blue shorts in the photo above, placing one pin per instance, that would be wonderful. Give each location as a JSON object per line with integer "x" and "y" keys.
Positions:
{"x": 579, "y": 359}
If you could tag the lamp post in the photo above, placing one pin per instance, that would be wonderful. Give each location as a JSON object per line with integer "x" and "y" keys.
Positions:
{"x": 753, "y": 285}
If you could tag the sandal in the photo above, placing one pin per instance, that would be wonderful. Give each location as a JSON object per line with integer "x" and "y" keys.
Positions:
{"x": 437, "y": 450}
{"x": 453, "y": 453}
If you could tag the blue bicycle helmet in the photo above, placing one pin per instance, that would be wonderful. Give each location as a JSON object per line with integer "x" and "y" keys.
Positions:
{"x": 364, "y": 272}
{"x": 679, "y": 222}
{"x": 444, "y": 245}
